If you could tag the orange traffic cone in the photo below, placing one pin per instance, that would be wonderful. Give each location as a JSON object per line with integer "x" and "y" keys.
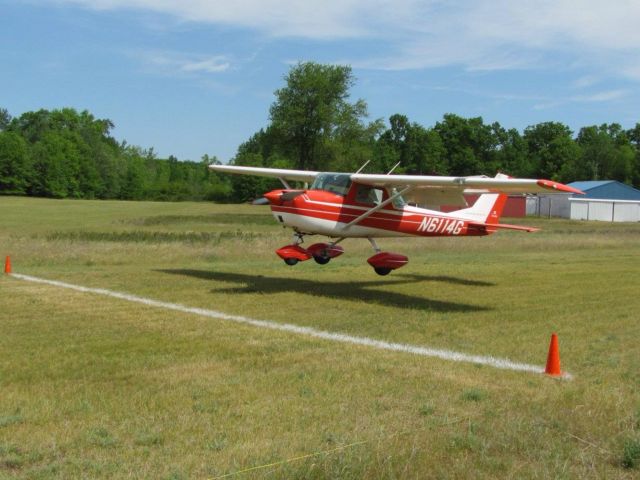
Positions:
{"x": 7, "y": 265}
{"x": 553, "y": 359}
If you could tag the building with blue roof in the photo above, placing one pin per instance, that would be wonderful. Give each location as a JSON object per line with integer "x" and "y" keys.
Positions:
{"x": 604, "y": 200}
{"x": 606, "y": 190}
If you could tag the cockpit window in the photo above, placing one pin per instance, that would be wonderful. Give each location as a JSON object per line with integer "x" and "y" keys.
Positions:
{"x": 369, "y": 195}
{"x": 332, "y": 182}
{"x": 398, "y": 202}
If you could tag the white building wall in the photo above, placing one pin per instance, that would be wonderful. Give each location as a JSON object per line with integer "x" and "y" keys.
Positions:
{"x": 627, "y": 212}
{"x": 605, "y": 210}
{"x": 602, "y": 211}
{"x": 579, "y": 211}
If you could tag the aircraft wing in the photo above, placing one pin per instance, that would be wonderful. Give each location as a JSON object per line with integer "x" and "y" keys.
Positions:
{"x": 479, "y": 184}
{"x": 451, "y": 187}
{"x": 299, "y": 175}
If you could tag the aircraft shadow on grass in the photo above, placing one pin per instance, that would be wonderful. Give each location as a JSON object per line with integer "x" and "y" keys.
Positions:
{"x": 357, "y": 291}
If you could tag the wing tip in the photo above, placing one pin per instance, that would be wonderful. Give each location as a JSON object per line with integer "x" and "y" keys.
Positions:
{"x": 561, "y": 187}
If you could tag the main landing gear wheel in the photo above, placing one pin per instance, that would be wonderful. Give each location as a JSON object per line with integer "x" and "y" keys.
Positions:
{"x": 323, "y": 252}
{"x": 384, "y": 262}
{"x": 291, "y": 261}
{"x": 322, "y": 260}
{"x": 382, "y": 270}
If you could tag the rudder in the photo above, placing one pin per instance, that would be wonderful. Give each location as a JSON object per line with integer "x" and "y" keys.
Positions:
{"x": 486, "y": 209}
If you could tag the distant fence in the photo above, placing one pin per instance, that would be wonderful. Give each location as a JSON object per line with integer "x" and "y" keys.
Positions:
{"x": 548, "y": 206}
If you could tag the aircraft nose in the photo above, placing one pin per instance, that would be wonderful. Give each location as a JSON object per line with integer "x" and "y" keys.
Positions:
{"x": 273, "y": 196}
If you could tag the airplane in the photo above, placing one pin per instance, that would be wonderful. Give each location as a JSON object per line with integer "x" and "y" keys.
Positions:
{"x": 361, "y": 205}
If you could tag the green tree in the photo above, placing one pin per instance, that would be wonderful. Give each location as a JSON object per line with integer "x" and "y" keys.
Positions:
{"x": 133, "y": 183}
{"x": 15, "y": 169}
{"x": 417, "y": 149}
{"x": 312, "y": 110}
{"x": 512, "y": 154}
{"x": 218, "y": 187}
{"x": 607, "y": 153}
{"x": 634, "y": 137}
{"x": 469, "y": 143}
{"x": 551, "y": 148}
{"x": 56, "y": 163}
{"x": 5, "y": 119}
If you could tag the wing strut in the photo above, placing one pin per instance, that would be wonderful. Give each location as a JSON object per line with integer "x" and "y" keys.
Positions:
{"x": 373, "y": 210}
{"x": 392, "y": 168}
{"x": 362, "y": 167}
{"x": 284, "y": 182}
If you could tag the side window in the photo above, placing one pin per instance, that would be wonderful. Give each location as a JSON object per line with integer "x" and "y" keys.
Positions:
{"x": 368, "y": 195}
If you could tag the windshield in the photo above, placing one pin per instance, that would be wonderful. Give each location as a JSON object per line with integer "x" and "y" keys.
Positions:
{"x": 337, "y": 183}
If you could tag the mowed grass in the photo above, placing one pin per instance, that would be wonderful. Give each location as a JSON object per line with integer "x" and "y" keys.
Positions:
{"x": 96, "y": 387}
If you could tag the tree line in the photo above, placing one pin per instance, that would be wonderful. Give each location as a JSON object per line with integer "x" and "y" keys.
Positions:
{"x": 70, "y": 154}
{"x": 313, "y": 125}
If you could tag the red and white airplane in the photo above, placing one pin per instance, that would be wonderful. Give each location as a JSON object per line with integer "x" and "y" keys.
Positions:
{"x": 358, "y": 205}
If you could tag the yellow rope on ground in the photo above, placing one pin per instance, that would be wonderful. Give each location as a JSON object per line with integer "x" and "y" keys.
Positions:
{"x": 355, "y": 444}
{"x": 326, "y": 452}
{"x": 282, "y": 462}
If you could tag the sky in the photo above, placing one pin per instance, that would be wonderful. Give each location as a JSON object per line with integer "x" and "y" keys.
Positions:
{"x": 195, "y": 77}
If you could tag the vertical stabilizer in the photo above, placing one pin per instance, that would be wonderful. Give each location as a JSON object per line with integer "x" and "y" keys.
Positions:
{"x": 487, "y": 208}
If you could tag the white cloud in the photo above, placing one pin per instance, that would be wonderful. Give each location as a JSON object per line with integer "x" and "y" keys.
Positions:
{"x": 477, "y": 35}
{"x": 586, "y": 81}
{"x": 597, "y": 97}
{"x": 331, "y": 19}
{"x": 177, "y": 63}
{"x": 209, "y": 65}
{"x": 604, "y": 96}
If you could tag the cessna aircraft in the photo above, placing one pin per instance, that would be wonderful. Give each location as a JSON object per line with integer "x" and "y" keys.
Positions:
{"x": 358, "y": 205}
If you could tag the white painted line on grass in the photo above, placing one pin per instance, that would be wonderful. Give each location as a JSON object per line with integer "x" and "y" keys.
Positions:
{"x": 307, "y": 331}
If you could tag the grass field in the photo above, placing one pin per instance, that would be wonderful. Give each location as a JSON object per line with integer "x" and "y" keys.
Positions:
{"x": 96, "y": 387}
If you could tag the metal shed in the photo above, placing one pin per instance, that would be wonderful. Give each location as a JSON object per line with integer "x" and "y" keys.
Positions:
{"x": 607, "y": 190}
{"x": 606, "y": 200}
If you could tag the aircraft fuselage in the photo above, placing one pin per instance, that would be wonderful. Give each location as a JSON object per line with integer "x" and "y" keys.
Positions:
{"x": 326, "y": 213}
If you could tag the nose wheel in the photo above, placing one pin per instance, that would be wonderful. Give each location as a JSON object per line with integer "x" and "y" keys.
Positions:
{"x": 294, "y": 253}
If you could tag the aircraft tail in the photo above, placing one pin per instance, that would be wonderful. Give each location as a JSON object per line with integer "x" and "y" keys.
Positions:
{"x": 487, "y": 209}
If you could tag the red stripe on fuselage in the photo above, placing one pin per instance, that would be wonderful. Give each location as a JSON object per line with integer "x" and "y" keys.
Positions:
{"x": 403, "y": 222}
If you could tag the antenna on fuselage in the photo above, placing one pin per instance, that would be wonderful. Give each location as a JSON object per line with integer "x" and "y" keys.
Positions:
{"x": 362, "y": 167}
{"x": 393, "y": 168}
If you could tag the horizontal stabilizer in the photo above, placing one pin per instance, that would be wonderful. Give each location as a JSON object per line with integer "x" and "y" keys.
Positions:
{"x": 506, "y": 226}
